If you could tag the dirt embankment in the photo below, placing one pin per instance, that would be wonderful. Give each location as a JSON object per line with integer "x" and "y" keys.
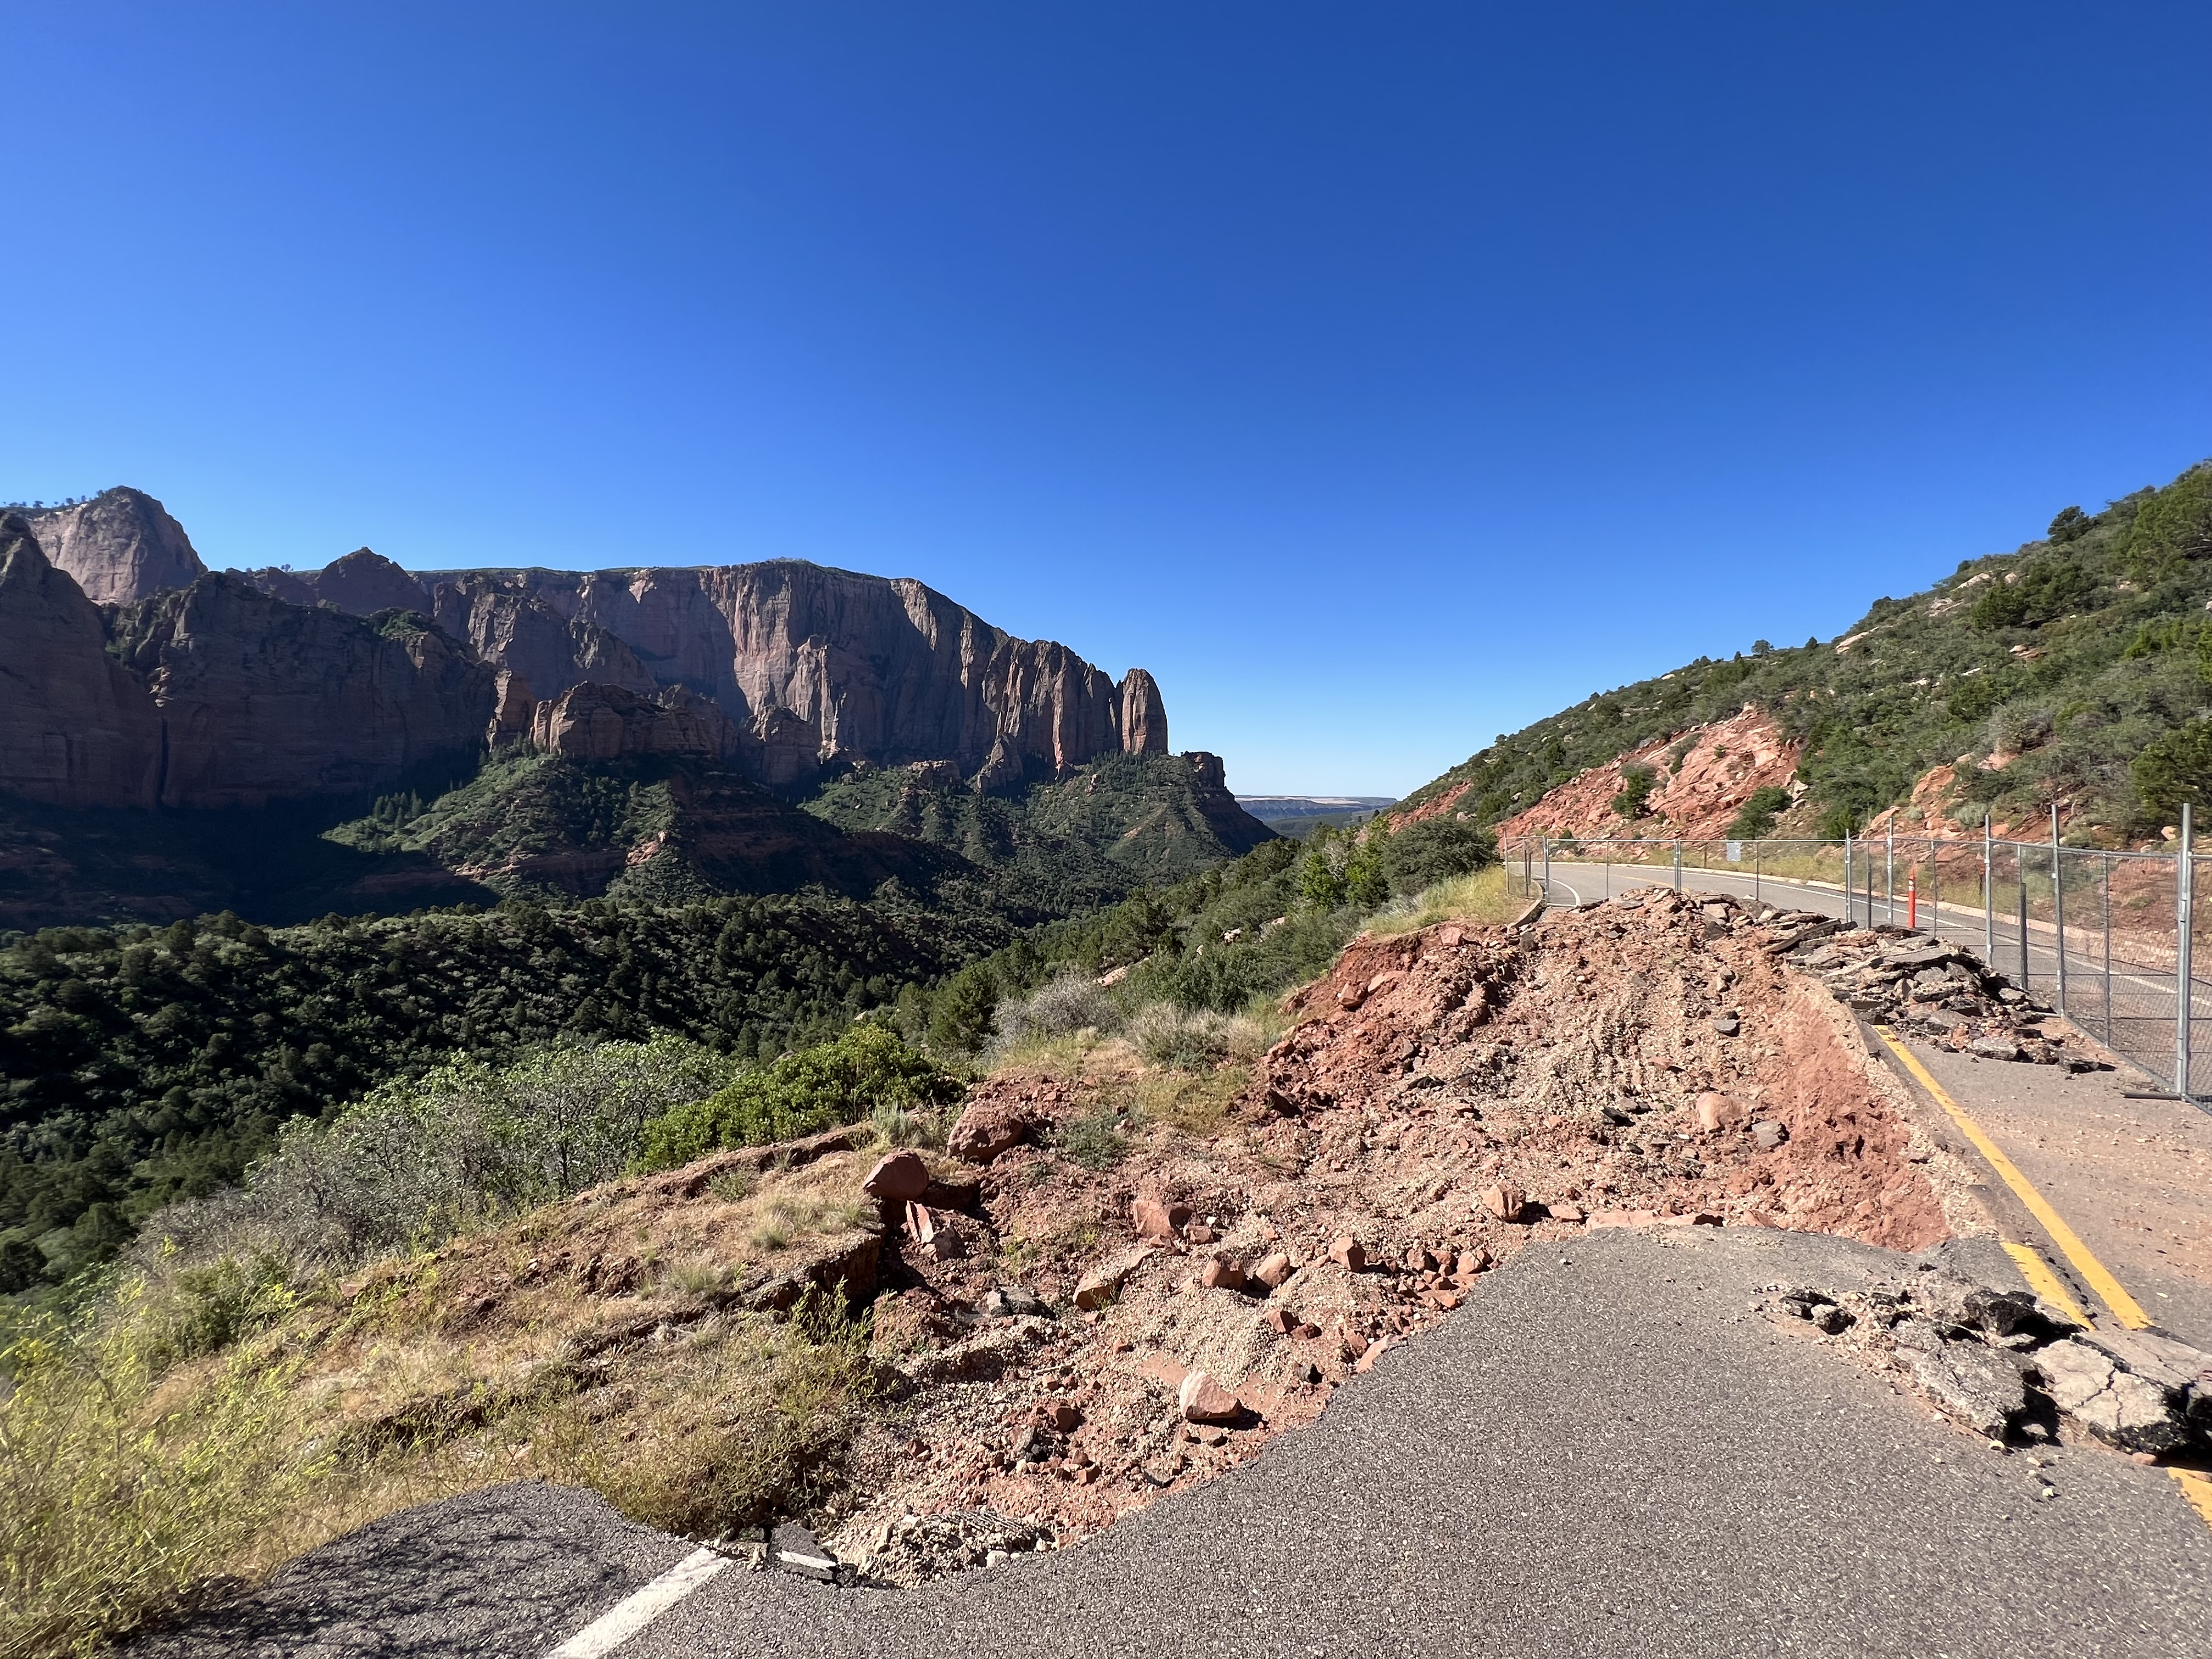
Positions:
{"x": 1445, "y": 1099}
{"x": 1721, "y": 768}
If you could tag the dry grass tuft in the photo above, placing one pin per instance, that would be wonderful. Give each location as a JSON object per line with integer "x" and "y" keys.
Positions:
{"x": 1488, "y": 896}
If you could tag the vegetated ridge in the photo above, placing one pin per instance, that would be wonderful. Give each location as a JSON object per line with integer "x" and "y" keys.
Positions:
{"x": 2077, "y": 670}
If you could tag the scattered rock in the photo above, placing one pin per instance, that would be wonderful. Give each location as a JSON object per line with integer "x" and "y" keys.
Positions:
{"x": 1274, "y": 1268}
{"x": 1994, "y": 1047}
{"x": 1349, "y": 1254}
{"x": 900, "y": 1177}
{"x": 1202, "y": 1400}
{"x": 1506, "y": 1203}
{"x": 1155, "y": 1219}
{"x": 1566, "y": 1211}
{"x": 1718, "y": 1113}
{"x": 1222, "y": 1272}
{"x": 988, "y": 1128}
{"x": 1727, "y": 1024}
{"x": 1102, "y": 1285}
{"x": 1769, "y": 1134}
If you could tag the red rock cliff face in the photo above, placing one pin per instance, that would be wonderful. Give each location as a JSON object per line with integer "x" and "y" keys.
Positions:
{"x": 121, "y": 546}
{"x": 75, "y": 728}
{"x": 812, "y": 664}
{"x": 259, "y": 700}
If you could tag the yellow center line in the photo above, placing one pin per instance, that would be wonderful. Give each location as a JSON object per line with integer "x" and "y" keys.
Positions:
{"x": 2125, "y": 1307}
{"x": 2197, "y": 1489}
{"x": 2045, "y": 1283}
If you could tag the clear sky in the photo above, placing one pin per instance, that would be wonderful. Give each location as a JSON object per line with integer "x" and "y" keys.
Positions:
{"x": 1381, "y": 376}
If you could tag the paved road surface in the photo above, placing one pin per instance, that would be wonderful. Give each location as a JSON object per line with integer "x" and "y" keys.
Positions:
{"x": 1604, "y": 1454}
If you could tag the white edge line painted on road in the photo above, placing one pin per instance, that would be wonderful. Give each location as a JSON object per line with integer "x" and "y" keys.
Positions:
{"x": 634, "y": 1612}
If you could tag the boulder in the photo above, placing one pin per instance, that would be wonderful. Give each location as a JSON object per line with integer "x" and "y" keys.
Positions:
{"x": 1719, "y": 1113}
{"x": 1506, "y": 1203}
{"x": 900, "y": 1177}
{"x": 1222, "y": 1272}
{"x": 987, "y": 1129}
{"x": 1274, "y": 1268}
{"x": 1349, "y": 1254}
{"x": 1156, "y": 1219}
{"x": 1202, "y": 1400}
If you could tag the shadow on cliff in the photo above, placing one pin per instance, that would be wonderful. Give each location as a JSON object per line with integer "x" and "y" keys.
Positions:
{"x": 60, "y": 866}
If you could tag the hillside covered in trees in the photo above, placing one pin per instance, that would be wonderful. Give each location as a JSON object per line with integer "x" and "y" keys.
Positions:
{"x": 2076, "y": 670}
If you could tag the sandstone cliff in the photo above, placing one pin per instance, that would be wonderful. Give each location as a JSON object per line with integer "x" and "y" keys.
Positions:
{"x": 75, "y": 728}
{"x": 121, "y": 546}
{"x": 259, "y": 700}
{"x": 814, "y": 666}
{"x": 266, "y": 684}
{"x": 214, "y": 695}
{"x": 590, "y": 722}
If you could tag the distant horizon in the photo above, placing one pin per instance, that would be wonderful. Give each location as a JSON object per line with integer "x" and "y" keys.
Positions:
{"x": 1380, "y": 382}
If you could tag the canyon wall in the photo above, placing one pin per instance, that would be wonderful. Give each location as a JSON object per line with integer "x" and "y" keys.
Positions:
{"x": 812, "y": 664}
{"x": 215, "y": 695}
{"x": 140, "y": 678}
{"x": 121, "y": 546}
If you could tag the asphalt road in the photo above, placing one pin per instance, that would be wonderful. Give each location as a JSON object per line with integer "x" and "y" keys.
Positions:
{"x": 1605, "y": 1453}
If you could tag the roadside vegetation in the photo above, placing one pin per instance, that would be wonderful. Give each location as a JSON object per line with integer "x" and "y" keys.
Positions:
{"x": 275, "y": 1364}
{"x": 2077, "y": 668}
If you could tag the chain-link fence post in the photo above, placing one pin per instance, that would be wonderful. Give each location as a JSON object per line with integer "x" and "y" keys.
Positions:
{"x": 2184, "y": 922}
{"x": 2058, "y": 904}
{"x": 2108, "y": 949}
{"x": 1988, "y": 898}
{"x": 2020, "y": 868}
{"x": 1677, "y": 865}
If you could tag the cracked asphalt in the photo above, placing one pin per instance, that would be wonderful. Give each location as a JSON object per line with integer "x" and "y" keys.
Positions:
{"x": 1606, "y": 1452}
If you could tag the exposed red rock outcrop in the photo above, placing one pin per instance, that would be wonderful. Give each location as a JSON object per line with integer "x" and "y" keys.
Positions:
{"x": 592, "y": 722}
{"x": 258, "y": 701}
{"x": 251, "y": 698}
{"x": 76, "y": 729}
{"x": 121, "y": 546}
{"x": 813, "y": 665}
{"x": 1725, "y": 763}
{"x": 520, "y": 632}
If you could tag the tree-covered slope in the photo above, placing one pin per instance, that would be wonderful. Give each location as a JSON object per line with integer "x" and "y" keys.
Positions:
{"x": 1119, "y": 824}
{"x": 145, "y": 1063}
{"x": 2077, "y": 668}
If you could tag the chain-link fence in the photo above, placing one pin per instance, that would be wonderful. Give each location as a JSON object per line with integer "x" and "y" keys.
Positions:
{"x": 2110, "y": 939}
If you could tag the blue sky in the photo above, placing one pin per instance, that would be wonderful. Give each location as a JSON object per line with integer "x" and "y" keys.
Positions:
{"x": 1381, "y": 377}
